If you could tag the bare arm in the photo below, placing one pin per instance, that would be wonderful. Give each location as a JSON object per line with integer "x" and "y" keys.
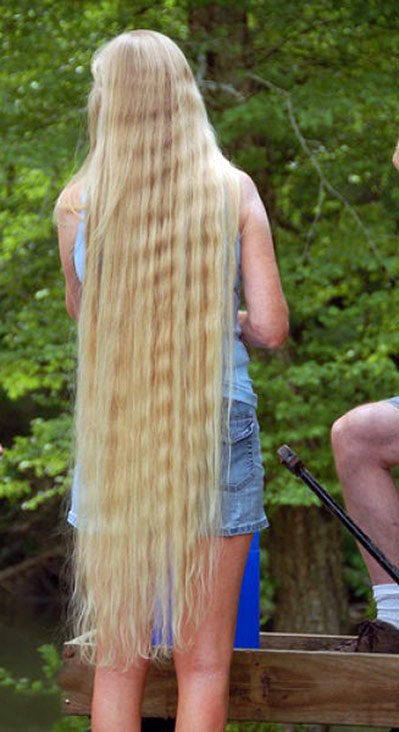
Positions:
{"x": 67, "y": 224}
{"x": 395, "y": 158}
{"x": 265, "y": 321}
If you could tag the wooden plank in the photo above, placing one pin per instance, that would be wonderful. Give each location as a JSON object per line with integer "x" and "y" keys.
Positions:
{"x": 279, "y": 641}
{"x": 274, "y": 685}
{"x": 315, "y": 687}
{"x": 301, "y": 641}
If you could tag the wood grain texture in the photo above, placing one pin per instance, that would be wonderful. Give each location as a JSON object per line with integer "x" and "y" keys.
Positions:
{"x": 274, "y": 684}
{"x": 301, "y": 641}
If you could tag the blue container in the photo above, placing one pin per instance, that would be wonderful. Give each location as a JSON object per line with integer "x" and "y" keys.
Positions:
{"x": 248, "y": 617}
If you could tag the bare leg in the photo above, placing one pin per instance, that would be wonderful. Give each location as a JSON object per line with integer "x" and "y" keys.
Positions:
{"x": 203, "y": 671}
{"x": 117, "y": 698}
{"x": 366, "y": 447}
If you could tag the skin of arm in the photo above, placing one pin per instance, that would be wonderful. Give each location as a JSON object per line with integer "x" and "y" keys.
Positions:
{"x": 67, "y": 224}
{"x": 395, "y": 158}
{"x": 264, "y": 323}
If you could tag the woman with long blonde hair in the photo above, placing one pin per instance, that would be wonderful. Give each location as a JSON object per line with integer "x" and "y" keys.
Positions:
{"x": 156, "y": 231}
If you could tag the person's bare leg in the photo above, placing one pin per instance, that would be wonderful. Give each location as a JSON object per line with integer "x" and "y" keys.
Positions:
{"x": 366, "y": 447}
{"x": 117, "y": 698}
{"x": 203, "y": 670}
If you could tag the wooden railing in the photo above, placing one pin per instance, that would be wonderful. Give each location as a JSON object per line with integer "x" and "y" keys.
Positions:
{"x": 291, "y": 678}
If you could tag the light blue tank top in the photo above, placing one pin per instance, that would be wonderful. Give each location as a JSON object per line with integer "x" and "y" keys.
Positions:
{"x": 241, "y": 388}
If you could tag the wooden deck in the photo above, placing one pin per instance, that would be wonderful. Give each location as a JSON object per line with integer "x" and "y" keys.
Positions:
{"x": 292, "y": 678}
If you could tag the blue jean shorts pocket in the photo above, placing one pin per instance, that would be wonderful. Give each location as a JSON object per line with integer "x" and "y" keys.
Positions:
{"x": 237, "y": 450}
{"x": 242, "y": 474}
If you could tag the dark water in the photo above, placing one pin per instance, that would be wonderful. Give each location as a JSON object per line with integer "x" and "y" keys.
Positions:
{"x": 22, "y": 630}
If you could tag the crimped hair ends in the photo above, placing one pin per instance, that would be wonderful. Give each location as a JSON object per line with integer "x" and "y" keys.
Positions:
{"x": 155, "y": 345}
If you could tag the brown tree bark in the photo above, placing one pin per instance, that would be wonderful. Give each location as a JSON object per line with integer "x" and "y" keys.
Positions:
{"x": 223, "y": 30}
{"x": 306, "y": 564}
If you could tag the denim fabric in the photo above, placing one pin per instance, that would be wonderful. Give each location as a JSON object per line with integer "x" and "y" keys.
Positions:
{"x": 242, "y": 476}
{"x": 394, "y": 401}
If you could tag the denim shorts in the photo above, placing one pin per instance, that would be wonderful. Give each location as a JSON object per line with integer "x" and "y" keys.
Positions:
{"x": 241, "y": 476}
{"x": 394, "y": 400}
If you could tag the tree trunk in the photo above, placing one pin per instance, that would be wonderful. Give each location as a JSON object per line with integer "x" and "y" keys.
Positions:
{"x": 305, "y": 542}
{"x": 223, "y": 32}
{"x": 306, "y": 564}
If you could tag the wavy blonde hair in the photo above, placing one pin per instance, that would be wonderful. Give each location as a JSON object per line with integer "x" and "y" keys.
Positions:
{"x": 155, "y": 343}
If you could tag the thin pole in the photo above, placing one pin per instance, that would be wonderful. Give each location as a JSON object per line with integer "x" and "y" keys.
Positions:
{"x": 291, "y": 461}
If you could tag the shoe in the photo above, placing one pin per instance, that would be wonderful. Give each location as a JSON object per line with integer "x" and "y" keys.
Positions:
{"x": 374, "y": 636}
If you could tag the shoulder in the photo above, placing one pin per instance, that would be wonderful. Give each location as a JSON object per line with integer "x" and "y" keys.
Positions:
{"x": 251, "y": 205}
{"x": 248, "y": 189}
{"x": 69, "y": 206}
{"x": 68, "y": 215}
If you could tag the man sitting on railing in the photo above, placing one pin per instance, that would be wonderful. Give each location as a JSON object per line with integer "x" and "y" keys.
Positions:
{"x": 366, "y": 447}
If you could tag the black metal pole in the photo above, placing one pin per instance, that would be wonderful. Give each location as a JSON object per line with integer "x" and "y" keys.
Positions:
{"x": 291, "y": 461}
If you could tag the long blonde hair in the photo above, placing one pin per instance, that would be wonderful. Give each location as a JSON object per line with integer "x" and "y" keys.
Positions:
{"x": 155, "y": 342}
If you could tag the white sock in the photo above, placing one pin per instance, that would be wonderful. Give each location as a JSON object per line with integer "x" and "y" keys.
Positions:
{"x": 387, "y": 601}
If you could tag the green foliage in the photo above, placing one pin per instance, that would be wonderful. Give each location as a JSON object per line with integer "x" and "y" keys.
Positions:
{"x": 308, "y": 107}
{"x": 43, "y": 98}
{"x": 35, "y": 468}
{"x": 344, "y": 342}
{"x": 306, "y": 101}
{"x": 71, "y": 724}
{"x": 50, "y": 666}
